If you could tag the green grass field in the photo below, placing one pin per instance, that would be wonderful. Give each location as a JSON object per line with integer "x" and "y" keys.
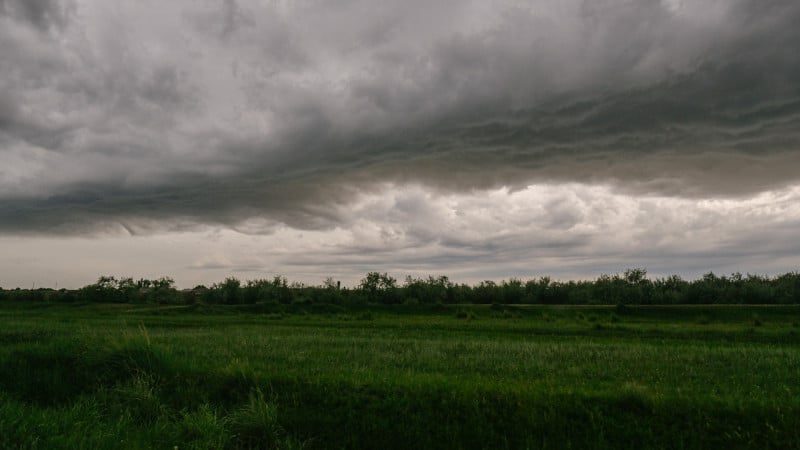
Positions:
{"x": 270, "y": 376}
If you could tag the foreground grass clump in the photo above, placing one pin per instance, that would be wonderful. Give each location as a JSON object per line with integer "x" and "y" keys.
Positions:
{"x": 121, "y": 376}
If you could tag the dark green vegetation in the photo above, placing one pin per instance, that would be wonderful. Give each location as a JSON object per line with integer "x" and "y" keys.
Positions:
{"x": 272, "y": 375}
{"x": 630, "y": 288}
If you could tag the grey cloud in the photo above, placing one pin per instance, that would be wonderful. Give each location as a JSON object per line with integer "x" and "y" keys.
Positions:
{"x": 288, "y": 112}
{"x": 677, "y": 237}
{"x": 42, "y": 14}
{"x": 470, "y": 237}
{"x": 233, "y": 17}
{"x": 8, "y": 111}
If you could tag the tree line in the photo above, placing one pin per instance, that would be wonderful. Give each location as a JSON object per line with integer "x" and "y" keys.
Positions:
{"x": 632, "y": 287}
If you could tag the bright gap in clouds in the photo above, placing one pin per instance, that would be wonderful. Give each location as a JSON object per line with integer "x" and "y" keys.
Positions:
{"x": 569, "y": 231}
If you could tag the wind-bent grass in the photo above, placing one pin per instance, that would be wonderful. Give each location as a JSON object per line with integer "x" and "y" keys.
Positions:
{"x": 112, "y": 376}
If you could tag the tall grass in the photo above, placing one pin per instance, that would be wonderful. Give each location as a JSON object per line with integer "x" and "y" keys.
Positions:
{"x": 105, "y": 377}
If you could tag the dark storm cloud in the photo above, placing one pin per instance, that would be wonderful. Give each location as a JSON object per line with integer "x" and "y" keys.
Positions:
{"x": 216, "y": 113}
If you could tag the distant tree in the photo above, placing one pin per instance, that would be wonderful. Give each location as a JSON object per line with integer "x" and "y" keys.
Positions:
{"x": 671, "y": 290}
{"x": 103, "y": 291}
{"x": 635, "y": 276}
{"x": 512, "y": 291}
{"x": 487, "y": 292}
{"x": 330, "y": 283}
{"x": 428, "y": 290}
{"x": 281, "y": 288}
{"x": 706, "y": 290}
{"x": 787, "y": 288}
{"x": 534, "y": 289}
{"x": 163, "y": 291}
{"x": 638, "y": 289}
{"x": 229, "y": 291}
{"x": 379, "y": 288}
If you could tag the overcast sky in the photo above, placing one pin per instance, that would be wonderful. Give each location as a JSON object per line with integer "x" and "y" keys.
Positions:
{"x": 481, "y": 140}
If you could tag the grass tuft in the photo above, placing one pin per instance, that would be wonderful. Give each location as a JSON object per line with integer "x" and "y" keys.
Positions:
{"x": 255, "y": 424}
{"x": 202, "y": 428}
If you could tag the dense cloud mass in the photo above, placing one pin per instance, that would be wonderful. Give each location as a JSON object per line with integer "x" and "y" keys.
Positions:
{"x": 200, "y": 138}
{"x": 148, "y": 115}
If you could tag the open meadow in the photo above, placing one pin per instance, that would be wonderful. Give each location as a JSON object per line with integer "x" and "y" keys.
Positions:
{"x": 402, "y": 376}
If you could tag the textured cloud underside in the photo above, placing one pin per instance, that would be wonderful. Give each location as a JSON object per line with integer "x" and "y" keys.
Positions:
{"x": 150, "y": 116}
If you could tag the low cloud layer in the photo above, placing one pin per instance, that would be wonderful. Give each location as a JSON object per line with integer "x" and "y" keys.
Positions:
{"x": 145, "y": 116}
{"x": 568, "y": 231}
